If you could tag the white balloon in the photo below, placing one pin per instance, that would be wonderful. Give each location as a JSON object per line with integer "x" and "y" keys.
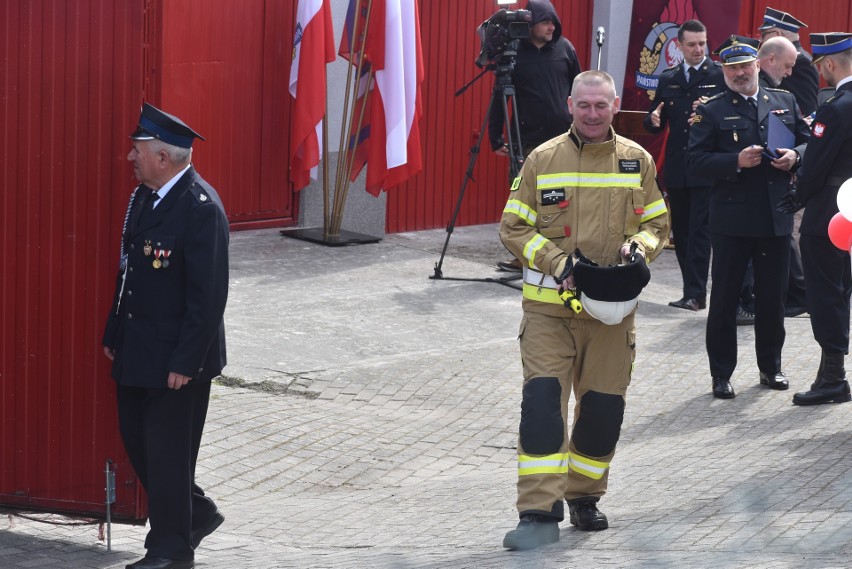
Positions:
{"x": 844, "y": 199}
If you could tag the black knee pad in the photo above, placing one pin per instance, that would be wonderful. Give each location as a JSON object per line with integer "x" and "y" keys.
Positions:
{"x": 542, "y": 430}
{"x": 599, "y": 425}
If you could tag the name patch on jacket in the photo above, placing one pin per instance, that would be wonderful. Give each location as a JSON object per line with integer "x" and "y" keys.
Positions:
{"x": 628, "y": 166}
{"x": 550, "y": 197}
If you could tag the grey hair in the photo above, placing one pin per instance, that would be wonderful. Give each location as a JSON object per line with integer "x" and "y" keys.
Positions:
{"x": 593, "y": 78}
{"x": 178, "y": 155}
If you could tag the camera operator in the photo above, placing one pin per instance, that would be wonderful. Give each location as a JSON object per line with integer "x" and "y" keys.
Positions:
{"x": 545, "y": 68}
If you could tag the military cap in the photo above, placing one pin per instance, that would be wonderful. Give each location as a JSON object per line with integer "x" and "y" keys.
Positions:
{"x": 737, "y": 49}
{"x": 156, "y": 124}
{"x": 828, "y": 43}
{"x": 773, "y": 18}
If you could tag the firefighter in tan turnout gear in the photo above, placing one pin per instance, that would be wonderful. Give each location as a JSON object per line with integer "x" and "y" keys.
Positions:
{"x": 586, "y": 196}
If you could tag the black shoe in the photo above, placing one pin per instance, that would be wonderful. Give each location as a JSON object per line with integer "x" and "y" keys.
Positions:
{"x": 149, "y": 562}
{"x": 722, "y": 388}
{"x": 793, "y": 311}
{"x": 774, "y": 381}
{"x": 206, "y": 529}
{"x": 532, "y": 531}
{"x": 689, "y": 303}
{"x": 584, "y": 514}
{"x": 512, "y": 266}
{"x": 824, "y": 392}
{"x": 744, "y": 317}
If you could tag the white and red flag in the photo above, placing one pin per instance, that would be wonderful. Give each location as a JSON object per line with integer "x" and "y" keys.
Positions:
{"x": 392, "y": 48}
{"x": 313, "y": 48}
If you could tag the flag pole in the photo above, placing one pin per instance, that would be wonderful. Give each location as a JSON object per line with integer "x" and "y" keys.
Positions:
{"x": 348, "y": 155}
{"x": 325, "y": 211}
{"x": 345, "y": 130}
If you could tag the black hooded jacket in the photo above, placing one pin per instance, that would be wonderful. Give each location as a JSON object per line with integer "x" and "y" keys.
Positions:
{"x": 542, "y": 79}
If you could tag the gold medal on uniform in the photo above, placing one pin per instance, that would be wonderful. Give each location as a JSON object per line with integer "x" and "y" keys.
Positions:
{"x": 147, "y": 248}
{"x": 157, "y": 263}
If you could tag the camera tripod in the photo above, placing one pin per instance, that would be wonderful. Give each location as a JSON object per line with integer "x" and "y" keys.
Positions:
{"x": 504, "y": 93}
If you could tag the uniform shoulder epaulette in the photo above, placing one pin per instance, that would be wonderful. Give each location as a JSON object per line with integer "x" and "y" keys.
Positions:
{"x": 715, "y": 97}
{"x": 833, "y": 97}
{"x": 778, "y": 90}
{"x": 199, "y": 193}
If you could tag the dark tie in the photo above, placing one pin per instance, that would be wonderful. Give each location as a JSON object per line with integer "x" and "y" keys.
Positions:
{"x": 149, "y": 201}
{"x": 752, "y": 102}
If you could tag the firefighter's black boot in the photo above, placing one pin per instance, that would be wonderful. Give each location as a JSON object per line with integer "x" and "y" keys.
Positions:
{"x": 830, "y": 385}
{"x": 532, "y": 531}
{"x": 585, "y": 515}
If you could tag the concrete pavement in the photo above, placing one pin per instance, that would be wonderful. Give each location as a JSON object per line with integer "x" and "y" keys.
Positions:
{"x": 368, "y": 418}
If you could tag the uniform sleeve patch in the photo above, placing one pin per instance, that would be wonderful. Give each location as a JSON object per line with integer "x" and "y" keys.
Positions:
{"x": 629, "y": 166}
{"x": 698, "y": 118}
{"x": 516, "y": 183}
{"x": 550, "y": 197}
{"x": 818, "y": 129}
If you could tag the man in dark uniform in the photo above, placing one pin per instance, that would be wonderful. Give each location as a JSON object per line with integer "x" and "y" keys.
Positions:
{"x": 727, "y": 143}
{"x": 777, "y": 56}
{"x": 165, "y": 333}
{"x": 680, "y": 88}
{"x": 804, "y": 81}
{"x": 827, "y": 164}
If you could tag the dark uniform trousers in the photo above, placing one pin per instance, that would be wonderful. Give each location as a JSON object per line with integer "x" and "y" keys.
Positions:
{"x": 829, "y": 287}
{"x": 771, "y": 259}
{"x": 690, "y": 213}
{"x": 165, "y": 463}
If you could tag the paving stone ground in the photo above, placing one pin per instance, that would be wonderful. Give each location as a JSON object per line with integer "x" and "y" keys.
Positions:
{"x": 368, "y": 418}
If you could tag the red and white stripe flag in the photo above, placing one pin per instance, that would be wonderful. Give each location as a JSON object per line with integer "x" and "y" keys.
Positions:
{"x": 394, "y": 50}
{"x": 313, "y": 48}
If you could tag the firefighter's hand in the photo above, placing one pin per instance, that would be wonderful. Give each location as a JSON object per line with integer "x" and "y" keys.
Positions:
{"x": 789, "y": 203}
{"x": 176, "y": 380}
{"x": 655, "y": 116}
{"x": 567, "y": 284}
{"x": 787, "y": 158}
{"x": 109, "y": 352}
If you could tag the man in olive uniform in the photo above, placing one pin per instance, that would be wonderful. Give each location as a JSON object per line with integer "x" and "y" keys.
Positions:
{"x": 681, "y": 86}
{"x": 727, "y": 144}
{"x": 165, "y": 333}
{"x": 827, "y": 164}
{"x": 592, "y": 190}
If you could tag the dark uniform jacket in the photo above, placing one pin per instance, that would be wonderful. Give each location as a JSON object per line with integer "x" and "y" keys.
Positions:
{"x": 803, "y": 82}
{"x": 743, "y": 203}
{"x": 170, "y": 319}
{"x": 542, "y": 79}
{"x": 828, "y": 163}
{"x": 678, "y": 96}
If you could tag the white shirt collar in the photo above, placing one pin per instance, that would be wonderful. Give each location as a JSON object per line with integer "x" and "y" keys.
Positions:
{"x": 843, "y": 81}
{"x": 686, "y": 66}
{"x": 161, "y": 193}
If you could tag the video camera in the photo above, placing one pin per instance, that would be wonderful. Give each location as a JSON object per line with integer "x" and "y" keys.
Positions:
{"x": 500, "y": 33}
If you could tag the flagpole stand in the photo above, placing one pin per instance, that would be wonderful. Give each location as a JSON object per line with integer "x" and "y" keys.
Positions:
{"x": 503, "y": 92}
{"x": 318, "y": 235}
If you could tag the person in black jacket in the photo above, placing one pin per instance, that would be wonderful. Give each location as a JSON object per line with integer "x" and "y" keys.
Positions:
{"x": 727, "y": 144}
{"x": 680, "y": 88}
{"x": 544, "y": 71}
{"x": 804, "y": 81}
{"x": 826, "y": 165}
{"x": 165, "y": 333}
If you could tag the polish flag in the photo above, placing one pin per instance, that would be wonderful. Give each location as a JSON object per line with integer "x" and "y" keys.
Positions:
{"x": 313, "y": 48}
{"x": 394, "y": 51}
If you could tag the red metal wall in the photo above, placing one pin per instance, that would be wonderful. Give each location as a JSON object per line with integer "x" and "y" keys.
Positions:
{"x": 223, "y": 67}
{"x": 69, "y": 90}
{"x": 451, "y": 124}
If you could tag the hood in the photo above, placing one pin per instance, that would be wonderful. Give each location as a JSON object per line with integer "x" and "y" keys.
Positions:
{"x": 544, "y": 10}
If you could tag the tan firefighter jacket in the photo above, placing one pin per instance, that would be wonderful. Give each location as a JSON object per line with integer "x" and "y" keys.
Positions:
{"x": 569, "y": 195}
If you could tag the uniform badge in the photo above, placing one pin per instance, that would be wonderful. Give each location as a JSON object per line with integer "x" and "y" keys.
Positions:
{"x": 550, "y": 197}
{"x": 629, "y": 166}
{"x": 736, "y": 137}
{"x": 516, "y": 183}
{"x": 161, "y": 258}
{"x": 146, "y": 249}
{"x": 697, "y": 119}
{"x": 202, "y": 197}
{"x": 818, "y": 129}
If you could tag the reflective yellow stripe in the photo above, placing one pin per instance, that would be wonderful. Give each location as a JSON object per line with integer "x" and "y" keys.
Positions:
{"x": 588, "y": 180}
{"x": 594, "y": 469}
{"x": 541, "y": 294}
{"x": 532, "y": 247}
{"x": 547, "y": 464}
{"x": 653, "y": 210}
{"x": 522, "y": 210}
{"x": 648, "y": 238}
